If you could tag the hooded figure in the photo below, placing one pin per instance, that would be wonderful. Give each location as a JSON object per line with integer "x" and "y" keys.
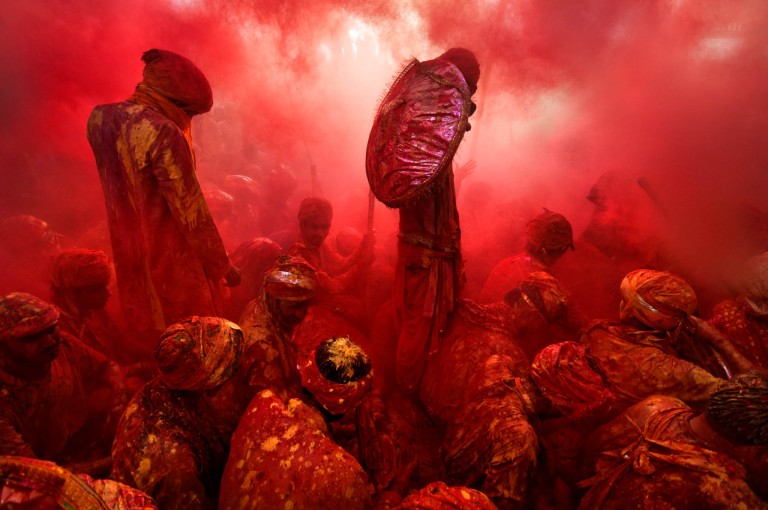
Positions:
{"x": 169, "y": 257}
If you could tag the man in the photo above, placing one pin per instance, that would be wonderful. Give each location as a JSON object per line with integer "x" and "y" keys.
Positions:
{"x": 659, "y": 347}
{"x": 169, "y": 257}
{"x": 59, "y": 400}
{"x": 549, "y": 236}
{"x": 168, "y": 443}
{"x": 660, "y": 454}
{"x": 428, "y": 106}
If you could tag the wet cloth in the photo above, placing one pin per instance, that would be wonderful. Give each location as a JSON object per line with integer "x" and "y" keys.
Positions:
{"x": 282, "y": 457}
{"x": 438, "y": 496}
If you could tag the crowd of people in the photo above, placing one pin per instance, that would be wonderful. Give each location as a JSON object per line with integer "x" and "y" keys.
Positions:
{"x": 256, "y": 362}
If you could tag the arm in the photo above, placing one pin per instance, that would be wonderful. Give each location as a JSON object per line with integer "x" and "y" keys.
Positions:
{"x": 721, "y": 344}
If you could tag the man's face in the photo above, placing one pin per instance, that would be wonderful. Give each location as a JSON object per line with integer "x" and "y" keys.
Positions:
{"x": 315, "y": 230}
{"x": 37, "y": 349}
{"x": 92, "y": 297}
{"x": 291, "y": 313}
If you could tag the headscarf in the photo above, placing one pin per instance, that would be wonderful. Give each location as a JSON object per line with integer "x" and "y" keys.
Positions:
{"x": 241, "y": 186}
{"x": 199, "y": 353}
{"x": 550, "y": 232}
{"x": 219, "y": 202}
{"x": 23, "y": 314}
{"x": 544, "y": 292}
{"x": 658, "y": 299}
{"x": 343, "y": 357}
{"x": 754, "y": 286}
{"x": 80, "y": 268}
{"x": 292, "y": 279}
{"x": 570, "y": 378}
{"x": 466, "y": 62}
{"x": 315, "y": 208}
{"x": 178, "y": 79}
{"x": 175, "y": 87}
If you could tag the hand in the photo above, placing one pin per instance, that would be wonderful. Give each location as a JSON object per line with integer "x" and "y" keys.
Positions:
{"x": 232, "y": 278}
{"x": 465, "y": 170}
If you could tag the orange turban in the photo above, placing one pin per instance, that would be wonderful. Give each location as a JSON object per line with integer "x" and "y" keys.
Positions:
{"x": 292, "y": 279}
{"x": 570, "y": 379}
{"x": 658, "y": 299}
{"x": 80, "y": 268}
{"x": 199, "y": 353}
{"x": 437, "y": 495}
{"x": 544, "y": 292}
{"x": 23, "y": 314}
{"x": 344, "y": 361}
{"x": 178, "y": 79}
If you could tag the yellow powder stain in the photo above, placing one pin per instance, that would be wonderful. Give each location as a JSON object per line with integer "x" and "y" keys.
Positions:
{"x": 288, "y": 505}
{"x": 348, "y": 493}
{"x": 465, "y": 494}
{"x": 285, "y": 464}
{"x": 244, "y": 501}
{"x": 145, "y": 466}
{"x": 270, "y": 444}
{"x": 240, "y": 464}
{"x": 248, "y": 480}
{"x": 151, "y": 439}
{"x": 294, "y": 447}
{"x": 290, "y": 432}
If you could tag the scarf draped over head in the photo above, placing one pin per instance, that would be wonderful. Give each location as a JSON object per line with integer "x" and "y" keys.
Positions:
{"x": 291, "y": 279}
{"x": 754, "y": 285}
{"x": 658, "y": 299}
{"x": 466, "y": 62}
{"x": 568, "y": 377}
{"x": 80, "y": 268}
{"x": 337, "y": 397}
{"x": 199, "y": 353}
{"x": 175, "y": 87}
{"x": 550, "y": 232}
{"x": 23, "y": 314}
{"x": 315, "y": 208}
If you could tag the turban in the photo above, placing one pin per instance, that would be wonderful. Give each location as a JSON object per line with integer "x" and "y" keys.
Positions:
{"x": 658, "y": 299}
{"x": 25, "y": 231}
{"x": 292, "y": 279}
{"x": 23, "y": 314}
{"x": 754, "y": 286}
{"x": 466, "y": 62}
{"x": 219, "y": 202}
{"x": 315, "y": 208}
{"x": 199, "y": 353}
{"x": 438, "y": 495}
{"x": 80, "y": 268}
{"x": 338, "y": 374}
{"x": 550, "y": 232}
{"x": 241, "y": 185}
{"x": 544, "y": 292}
{"x": 567, "y": 375}
{"x": 178, "y": 79}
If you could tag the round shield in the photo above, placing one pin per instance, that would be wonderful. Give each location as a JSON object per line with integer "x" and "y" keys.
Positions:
{"x": 417, "y": 130}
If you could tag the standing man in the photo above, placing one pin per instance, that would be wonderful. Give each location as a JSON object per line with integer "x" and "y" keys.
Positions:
{"x": 415, "y": 134}
{"x": 169, "y": 257}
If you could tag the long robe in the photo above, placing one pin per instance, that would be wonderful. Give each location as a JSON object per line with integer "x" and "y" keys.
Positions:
{"x": 164, "y": 240}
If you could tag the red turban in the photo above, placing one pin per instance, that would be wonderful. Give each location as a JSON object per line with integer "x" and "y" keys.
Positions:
{"x": 292, "y": 279}
{"x": 550, "y": 231}
{"x": 23, "y": 314}
{"x": 199, "y": 353}
{"x": 315, "y": 207}
{"x": 178, "y": 79}
{"x": 467, "y": 63}
{"x": 80, "y": 268}
{"x": 658, "y": 299}
{"x": 567, "y": 375}
{"x": 337, "y": 397}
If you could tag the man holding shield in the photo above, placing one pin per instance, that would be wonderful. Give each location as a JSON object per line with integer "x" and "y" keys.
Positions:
{"x": 415, "y": 134}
